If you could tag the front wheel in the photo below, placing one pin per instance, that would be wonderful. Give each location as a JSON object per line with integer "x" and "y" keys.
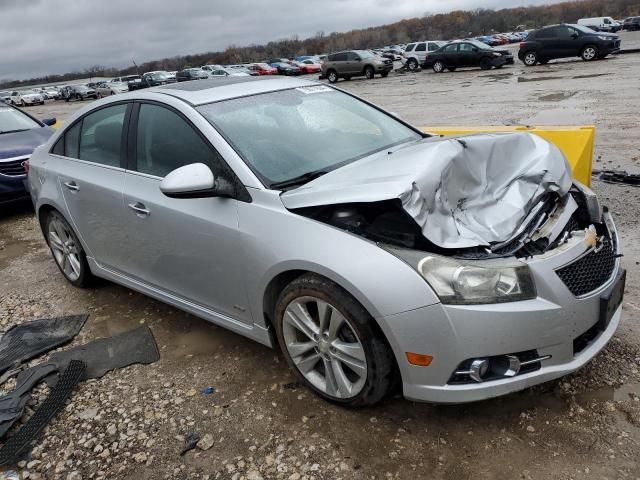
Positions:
{"x": 589, "y": 53}
{"x": 332, "y": 75}
{"x": 384, "y": 74}
{"x": 369, "y": 73}
{"x": 438, "y": 66}
{"x": 67, "y": 251}
{"x": 332, "y": 343}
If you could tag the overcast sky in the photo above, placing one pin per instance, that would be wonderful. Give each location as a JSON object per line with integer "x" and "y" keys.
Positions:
{"x": 58, "y": 36}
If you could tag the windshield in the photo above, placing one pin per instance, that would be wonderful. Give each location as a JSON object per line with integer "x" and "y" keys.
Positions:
{"x": 583, "y": 29}
{"x": 283, "y": 135}
{"x": 365, "y": 54}
{"x": 12, "y": 120}
{"x": 160, "y": 76}
{"x": 28, "y": 92}
{"x": 480, "y": 45}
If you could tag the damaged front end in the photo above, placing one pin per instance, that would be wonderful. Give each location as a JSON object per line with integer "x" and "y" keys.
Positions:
{"x": 495, "y": 202}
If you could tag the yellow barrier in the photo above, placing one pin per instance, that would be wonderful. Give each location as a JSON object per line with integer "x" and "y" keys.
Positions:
{"x": 576, "y": 143}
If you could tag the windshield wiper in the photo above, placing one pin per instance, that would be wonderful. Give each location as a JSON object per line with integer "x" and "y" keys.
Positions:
{"x": 14, "y": 131}
{"x": 299, "y": 180}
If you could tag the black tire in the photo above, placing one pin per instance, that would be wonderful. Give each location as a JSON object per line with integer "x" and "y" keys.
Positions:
{"x": 332, "y": 76}
{"x": 438, "y": 66}
{"x": 485, "y": 64}
{"x": 85, "y": 276}
{"x": 589, "y": 53}
{"x": 380, "y": 362}
{"x": 384, "y": 74}
{"x": 412, "y": 64}
{"x": 530, "y": 58}
{"x": 369, "y": 72}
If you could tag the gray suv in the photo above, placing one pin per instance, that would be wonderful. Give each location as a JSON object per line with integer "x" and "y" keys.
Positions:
{"x": 355, "y": 63}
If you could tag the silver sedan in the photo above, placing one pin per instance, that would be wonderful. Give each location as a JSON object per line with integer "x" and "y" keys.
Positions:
{"x": 372, "y": 254}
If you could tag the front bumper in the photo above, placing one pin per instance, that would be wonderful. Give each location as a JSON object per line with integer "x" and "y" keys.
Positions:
{"x": 548, "y": 324}
{"x": 383, "y": 68}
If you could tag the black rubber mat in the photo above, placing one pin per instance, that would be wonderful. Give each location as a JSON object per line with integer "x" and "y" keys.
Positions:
{"x": 30, "y": 339}
{"x": 105, "y": 354}
{"x": 12, "y": 404}
{"x": 17, "y": 446}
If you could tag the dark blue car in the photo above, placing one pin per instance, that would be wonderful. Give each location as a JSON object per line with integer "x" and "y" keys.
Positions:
{"x": 20, "y": 134}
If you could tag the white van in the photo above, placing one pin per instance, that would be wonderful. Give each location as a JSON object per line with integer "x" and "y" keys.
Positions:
{"x": 601, "y": 24}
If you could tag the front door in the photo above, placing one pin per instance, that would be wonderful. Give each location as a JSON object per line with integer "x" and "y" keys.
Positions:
{"x": 189, "y": 248}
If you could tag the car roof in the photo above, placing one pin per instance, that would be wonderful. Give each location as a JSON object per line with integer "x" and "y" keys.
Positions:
{"x": 200, "y": 92}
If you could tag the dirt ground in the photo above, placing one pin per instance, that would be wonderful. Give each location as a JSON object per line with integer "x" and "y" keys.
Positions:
{"x": 134, "y": 422}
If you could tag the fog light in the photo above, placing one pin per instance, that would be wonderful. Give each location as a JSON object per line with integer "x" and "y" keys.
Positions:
{"x": 479, "y": 369}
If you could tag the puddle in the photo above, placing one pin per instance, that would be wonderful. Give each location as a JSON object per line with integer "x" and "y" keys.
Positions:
{"x": 556, "y": 97}
{"x": 594, "y": 75}
{"x": 537, "y": 79}
{"x": 14, "y": 249}
{"x": 622, "y": 393}
{"x": 498, "y": 76}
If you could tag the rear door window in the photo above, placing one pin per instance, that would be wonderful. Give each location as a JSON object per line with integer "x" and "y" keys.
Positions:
{"x": 72, "y": 140}
{"x": 353, "y": 57}
{"x": 545, "y": 33}
{"x": 466, "y": 47}
{"x": 410, "y": 47}
{"x": 340, "y": 57}
{"x": 101, "y": 135}
{"x": 451, "y": 48}
{"x": 421, "y": 47}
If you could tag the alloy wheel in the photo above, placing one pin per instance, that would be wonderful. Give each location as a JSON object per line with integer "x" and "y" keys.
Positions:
{"x": 64, "y": 248}
{"x": 438, "y": 67}
{"x": 412, "y": 64}
{"x": 324, "y": 347}
{"x": 530, "y": 59}
{"x": 589, "y": 53}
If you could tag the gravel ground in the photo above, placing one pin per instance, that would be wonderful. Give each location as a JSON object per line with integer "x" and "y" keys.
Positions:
{"x": 259, "y": 423}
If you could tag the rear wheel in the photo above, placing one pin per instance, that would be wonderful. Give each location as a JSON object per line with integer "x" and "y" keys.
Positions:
{"x": 530, "y": 59}
{"x": 369, "y": 73}
{"x": 412, "y": 64}
{"x": 589, "y": 53}
{"x": 67, "y": 250}
{"x": 330, "y": 340}
{"x": 332, "y": 75}
{"x": 438, "y": 66}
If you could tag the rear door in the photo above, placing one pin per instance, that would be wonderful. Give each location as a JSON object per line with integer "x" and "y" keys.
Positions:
{"x": 353, "y": 64}
{"x": 91, "y": 181}
{"x": 189, "y": 248}
{"x": 450, "y": 55}
{"x": 567, "y": 41}
{"x": 421, "y": 52}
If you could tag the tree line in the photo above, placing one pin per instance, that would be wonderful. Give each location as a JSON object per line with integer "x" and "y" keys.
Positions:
{"x": 442, "y": 26}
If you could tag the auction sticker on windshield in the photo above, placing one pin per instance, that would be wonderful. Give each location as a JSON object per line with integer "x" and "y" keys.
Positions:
{"x": 314, "y": 89}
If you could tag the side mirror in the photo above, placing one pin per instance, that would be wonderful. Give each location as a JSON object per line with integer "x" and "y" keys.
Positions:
{"x": 358, "y": 59}
{"x": 195, "y": 181}
{"x": 49, "y": 121}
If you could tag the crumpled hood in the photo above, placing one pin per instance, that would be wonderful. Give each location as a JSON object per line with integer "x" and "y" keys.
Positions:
{"x": 23, "y": 143}
{"x": 463, "y": 192}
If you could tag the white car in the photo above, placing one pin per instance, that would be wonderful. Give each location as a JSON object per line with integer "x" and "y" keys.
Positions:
{"x": 105, "y": 89}
{"x": 26, "y": 97}
{"x": 49, "y": 93}
{"x": 416, "y": 53}
{"x": 601, "y": 24}
{"x": 227, "y": 72}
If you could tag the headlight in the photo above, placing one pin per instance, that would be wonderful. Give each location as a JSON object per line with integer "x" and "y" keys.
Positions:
{"x": 496, "y": 54}
{"x": 461, "y": 282}
{"x": 604, "y": 37}
{"x": 378, "y": 62}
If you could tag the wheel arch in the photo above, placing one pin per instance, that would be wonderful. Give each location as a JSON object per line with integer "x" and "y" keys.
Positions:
{"x": 280, "y": 281}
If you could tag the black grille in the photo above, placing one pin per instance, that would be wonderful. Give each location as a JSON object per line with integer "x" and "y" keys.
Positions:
{"x": 591, "y": 271}
{"x": 13, "y": 168}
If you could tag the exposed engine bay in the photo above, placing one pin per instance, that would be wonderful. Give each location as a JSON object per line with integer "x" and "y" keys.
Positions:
{"x": 549, "y": 224}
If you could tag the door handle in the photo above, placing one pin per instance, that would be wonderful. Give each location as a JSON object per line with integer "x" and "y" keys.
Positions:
{"x": 71, "y": 185}
{"x": 139, "y": 208}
